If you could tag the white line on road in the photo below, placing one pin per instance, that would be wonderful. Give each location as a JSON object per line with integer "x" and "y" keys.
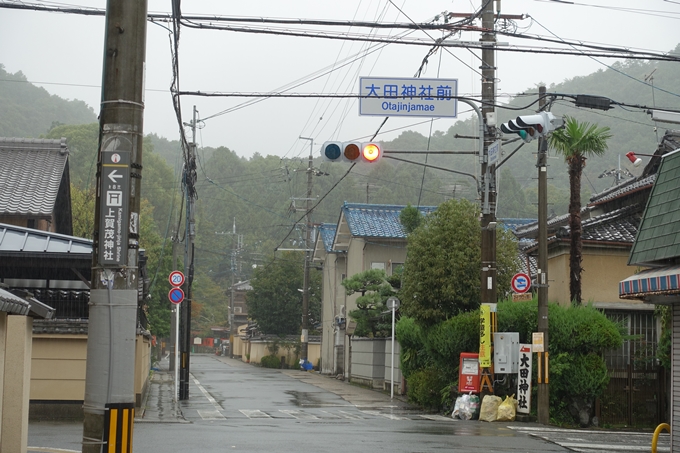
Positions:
{"x": 254, "y": 413}
{"x": 206, "y": 394}
{"x": 350, "y": 416}
{"x": 436, "y": 417}
{"x": 211, "y": 415}
{"x": 50, "y": 450}
{"x": 299, "y": 415}
{"x": 390, "y": 416}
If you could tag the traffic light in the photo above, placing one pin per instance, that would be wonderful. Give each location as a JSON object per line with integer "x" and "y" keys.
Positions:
{"x": 529, "y": 127}
{"x": 351, "y": 152}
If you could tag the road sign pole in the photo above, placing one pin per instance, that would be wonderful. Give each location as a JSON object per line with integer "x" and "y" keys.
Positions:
{"x": 109, "y": 397}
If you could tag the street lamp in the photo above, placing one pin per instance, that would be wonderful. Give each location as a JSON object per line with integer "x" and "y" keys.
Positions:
{"x": 636, "y": 160}
{"x": 392, "y": 304}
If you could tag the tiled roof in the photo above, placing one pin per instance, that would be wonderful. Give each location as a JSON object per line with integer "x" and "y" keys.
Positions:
{"x": 30, "y": 175}
{"x": 615, "y": 226}
{"x": 377, "y": 220}
{"x": 659, "y": 237}
{"x": 531, "y": 229}
{"x": 623, "y": 189}
{"x": 514, "y": 224}
{"x": 327, "y": 233}
{"x": 29, "y": 305}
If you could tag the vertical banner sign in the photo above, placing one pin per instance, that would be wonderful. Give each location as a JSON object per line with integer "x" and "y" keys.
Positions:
{"x": 115, "y": 195}
{"x": 485, "y": 336}
{"x": 524, "y": 379}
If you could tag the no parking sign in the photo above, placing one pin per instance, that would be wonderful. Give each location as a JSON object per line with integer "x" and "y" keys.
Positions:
{"x": 520, "y": 283}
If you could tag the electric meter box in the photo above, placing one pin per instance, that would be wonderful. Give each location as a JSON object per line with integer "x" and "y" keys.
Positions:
{"x": 506, "y": 352}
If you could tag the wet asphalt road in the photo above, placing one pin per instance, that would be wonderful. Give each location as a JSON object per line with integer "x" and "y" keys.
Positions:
{"x": 235, "y": 407}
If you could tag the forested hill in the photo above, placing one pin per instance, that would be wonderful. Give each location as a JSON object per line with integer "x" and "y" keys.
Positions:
{"x": 30, "y": 111}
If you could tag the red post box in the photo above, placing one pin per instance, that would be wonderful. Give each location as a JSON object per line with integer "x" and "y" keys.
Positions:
{"x": 469, "y": 373}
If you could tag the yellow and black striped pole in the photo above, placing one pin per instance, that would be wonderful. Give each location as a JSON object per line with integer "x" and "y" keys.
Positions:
{"x": 119, "y": 422}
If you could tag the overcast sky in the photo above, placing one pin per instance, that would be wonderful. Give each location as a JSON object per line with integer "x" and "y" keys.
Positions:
{"x": 63, "y": 54}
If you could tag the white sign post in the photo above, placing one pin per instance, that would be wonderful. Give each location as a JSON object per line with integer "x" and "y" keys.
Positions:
{"x": 494, "y": 151}
{"x": 430, "y": 98}
{"x": 392, "y": 304}
{"x": 524, "y": 379}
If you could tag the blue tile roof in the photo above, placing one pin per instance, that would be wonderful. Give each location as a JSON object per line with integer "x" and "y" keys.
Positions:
{"x": 377, "y": 220}
{"x": 327, "y": 232}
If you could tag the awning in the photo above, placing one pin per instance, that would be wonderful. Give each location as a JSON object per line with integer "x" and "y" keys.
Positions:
{"x": 661, "y": 281}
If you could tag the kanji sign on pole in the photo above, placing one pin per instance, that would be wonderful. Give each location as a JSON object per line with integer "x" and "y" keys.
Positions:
{"x": 115, "y": 193}
{"x": 524, "y": 379}
{"x": 430, "y": 98}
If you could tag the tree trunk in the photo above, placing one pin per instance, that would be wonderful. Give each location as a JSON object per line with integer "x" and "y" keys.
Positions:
{"x": 576, "y": 165}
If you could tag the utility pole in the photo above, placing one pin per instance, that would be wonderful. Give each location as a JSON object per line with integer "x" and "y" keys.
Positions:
{"x": 190, "y": 234}
{"x": 235, "y": 248}
{"x": 488, "y": 224}
{"x": 304, "y": 337}
{"x": 542, "y": 275}
{"x": 173, "y": 316}
{"x": 109, "y": 403}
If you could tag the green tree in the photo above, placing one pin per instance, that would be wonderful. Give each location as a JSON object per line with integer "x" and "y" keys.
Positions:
{"x": 375, "y": 290}
{"x": 82, "y": 211}
{"x": 576, "y": 142}
{"x": 442, "y": 270}
{"x": 410, "y": 218}
{"x": 276, "y": 300}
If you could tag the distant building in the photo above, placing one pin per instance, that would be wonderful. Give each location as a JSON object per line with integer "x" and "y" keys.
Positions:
{"x": 239, "y": 306}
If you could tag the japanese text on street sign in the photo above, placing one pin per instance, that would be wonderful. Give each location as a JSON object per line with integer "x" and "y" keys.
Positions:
{"x": 113, "y": 212}
{"x": 408, "y": 97}
{"x": 537, "y": 341}
{"x": 524, "y": 379}
{"x": 485, "y": 336}
{"x": 494, "y": 151}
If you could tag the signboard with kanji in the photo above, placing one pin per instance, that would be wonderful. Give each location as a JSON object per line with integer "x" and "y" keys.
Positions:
{"x": 485, "y": 336}
{"x": 430, "y": 98}
{"x": 115, "y": 194}
{"x": 524, "y": 379}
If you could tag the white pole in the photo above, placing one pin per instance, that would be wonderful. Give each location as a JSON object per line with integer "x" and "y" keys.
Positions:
{"x": 176, "y": 352}
{"x": 392, "y": 370}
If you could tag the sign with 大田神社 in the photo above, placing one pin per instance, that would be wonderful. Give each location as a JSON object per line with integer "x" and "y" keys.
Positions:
{"x": 430, "y": 98}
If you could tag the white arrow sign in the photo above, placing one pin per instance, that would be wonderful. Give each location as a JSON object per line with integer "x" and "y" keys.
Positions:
{"x": 114, "y": 176}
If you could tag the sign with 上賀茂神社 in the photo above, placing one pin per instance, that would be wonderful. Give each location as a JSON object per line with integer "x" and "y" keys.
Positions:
{"x": 114, "y": 204}
{"x": 430, "y": 98}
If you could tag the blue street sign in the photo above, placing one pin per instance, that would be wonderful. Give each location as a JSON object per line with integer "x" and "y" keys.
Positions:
{"x": 176, "y": 295}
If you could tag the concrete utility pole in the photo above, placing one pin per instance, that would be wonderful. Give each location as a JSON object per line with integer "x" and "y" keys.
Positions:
{"x": 304, "y": 338}
{"x": 109, "y": 404}
{"x": 542, "y": 275}
{"x": 488, "y": 274}
{"x": 190, "y": 234}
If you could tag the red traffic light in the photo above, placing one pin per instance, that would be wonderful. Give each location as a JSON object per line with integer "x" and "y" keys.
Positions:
{"x": 372, "y": 151}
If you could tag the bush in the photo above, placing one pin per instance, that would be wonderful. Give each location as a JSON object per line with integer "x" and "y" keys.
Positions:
{"x": 424, "y": 388}
{"x": 270, "y": 361}
{"x": 413, "y": 356}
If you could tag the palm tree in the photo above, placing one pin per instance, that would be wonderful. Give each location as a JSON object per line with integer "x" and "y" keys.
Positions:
{"x": 576, "y": 142}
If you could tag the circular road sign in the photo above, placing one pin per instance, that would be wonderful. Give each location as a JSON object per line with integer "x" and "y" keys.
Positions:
{"x": 520, "y": 283}
{"x": 176, "y": 278}
{"x": 176, "y": 295}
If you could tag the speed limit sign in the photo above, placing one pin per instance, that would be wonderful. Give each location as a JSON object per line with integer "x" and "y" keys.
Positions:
{"x": 176, "y": 278}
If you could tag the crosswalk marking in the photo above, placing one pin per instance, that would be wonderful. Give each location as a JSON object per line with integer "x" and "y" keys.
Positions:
{"x": 211, "y": 415}
{"x": 349, "y": 415}
{"x": 300, "y": 415}
{"x": 254, "y": 413}
{"x": 390, "y": 416}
